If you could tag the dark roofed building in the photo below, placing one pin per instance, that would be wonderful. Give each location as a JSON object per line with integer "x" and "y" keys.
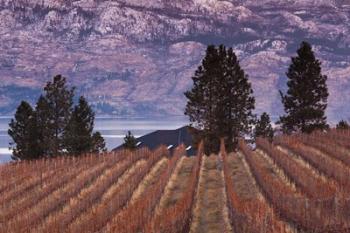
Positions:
{"x": 169, "y": 138}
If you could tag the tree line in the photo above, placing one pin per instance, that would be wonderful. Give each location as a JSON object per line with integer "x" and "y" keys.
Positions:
{"x": 221, "y": 102}
{"x": 55, "y": 126}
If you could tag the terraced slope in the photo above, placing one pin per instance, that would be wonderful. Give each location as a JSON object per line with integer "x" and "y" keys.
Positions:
{"x": 291, "y": 186}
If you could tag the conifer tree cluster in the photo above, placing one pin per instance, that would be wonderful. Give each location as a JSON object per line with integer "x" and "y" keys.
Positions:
{"x": 55, "y": 127}
{"x": 221, "y": 102}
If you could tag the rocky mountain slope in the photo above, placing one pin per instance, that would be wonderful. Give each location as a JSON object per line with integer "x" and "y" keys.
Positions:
{"x": 136, "y": 57}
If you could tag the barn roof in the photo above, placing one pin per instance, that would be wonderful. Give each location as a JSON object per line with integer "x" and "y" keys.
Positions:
{"x": 169, "y": 138}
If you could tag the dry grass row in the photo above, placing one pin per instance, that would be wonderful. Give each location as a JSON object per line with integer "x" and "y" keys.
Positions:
{"x": 14, "y": 173}
{"x": 28, "y": 185}
{"x": 248, "y": 211}
{"x": 176, "y": 185}
{"x": 336, "y": 137}
{"x": 328, "y": 215}
{"x": 31, "y": 197}
{"x": 138, "y": 214}
{"x": 175, "y": 216}
{"x": 25, "y": 200}
{"x": 149, "y": 180}
{"x": 80, "y": 220}
{"x": 97, "y": 219}
{"x": 305, "y": 164}
{"x": 87, "y": 195}
{"x": 326, "y": 145}
{"x": 26, "y": 220}
{"x": 210, "y": 204}
{"x": 323, "y": 163}
{"x": 304, "y": 179}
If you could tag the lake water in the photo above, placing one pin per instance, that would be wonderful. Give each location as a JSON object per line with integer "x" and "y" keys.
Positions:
{"x": 112, "y": 129}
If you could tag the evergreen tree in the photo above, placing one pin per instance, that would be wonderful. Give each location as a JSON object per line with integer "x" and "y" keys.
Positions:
{"x": 45, "y": 131}
{"x": 78, "y": 133}
{"x": 23, "y": 131}
{"x": 130, "y": 141}
{"x": 201, "y": 106}
{"x": 306, "y": 99}
{"x": 264, "y": 128}
{"x": 220, "y": 103}
{"x": 99, "y": 144}
{"x": 342, "y": 125}
{"x": 236, "y": 101}
{"x": 59, "y": 100}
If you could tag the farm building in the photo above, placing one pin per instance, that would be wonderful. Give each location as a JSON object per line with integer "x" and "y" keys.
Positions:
{"x": 169, "y": 138}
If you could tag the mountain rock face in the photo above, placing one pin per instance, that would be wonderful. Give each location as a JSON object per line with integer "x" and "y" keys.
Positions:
{"x": 136, "y": 57}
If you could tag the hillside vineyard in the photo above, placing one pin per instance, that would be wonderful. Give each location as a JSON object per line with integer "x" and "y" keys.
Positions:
{"x": 298, "y": 184}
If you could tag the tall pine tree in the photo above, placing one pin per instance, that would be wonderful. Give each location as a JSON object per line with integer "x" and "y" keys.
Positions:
{"x": 45, "y": 131}
{"x": 201, "y": 99}
{"x": 24, "y": 133}
{"x": 59, "y": 100}
{"x": 221, "y": 101}
{"x": 306, "y": 99}
{"x": 236, "y": 101}
{"x": 77, "y": 136}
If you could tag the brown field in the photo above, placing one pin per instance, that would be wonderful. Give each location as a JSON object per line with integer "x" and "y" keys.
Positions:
{"x": 298, "y": 184}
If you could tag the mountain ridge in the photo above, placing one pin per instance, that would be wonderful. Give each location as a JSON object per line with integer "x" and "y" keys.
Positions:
{"x": 137, "y": 57}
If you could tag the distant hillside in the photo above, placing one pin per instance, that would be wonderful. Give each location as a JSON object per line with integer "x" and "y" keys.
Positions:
{"x": 136, "y": 57}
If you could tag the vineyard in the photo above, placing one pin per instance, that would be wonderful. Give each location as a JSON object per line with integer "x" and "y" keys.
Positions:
{"x": 297, "y": 184}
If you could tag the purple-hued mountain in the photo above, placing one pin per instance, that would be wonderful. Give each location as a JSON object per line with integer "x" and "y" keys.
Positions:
{"x": 136, "y": 57}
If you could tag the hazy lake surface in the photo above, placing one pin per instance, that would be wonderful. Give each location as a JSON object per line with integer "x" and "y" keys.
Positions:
{"x": 112, "y": 129}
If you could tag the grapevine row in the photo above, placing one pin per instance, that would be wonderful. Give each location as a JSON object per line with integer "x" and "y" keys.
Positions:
{"x": 324, "y": 164}
{"x": 30, "y": 184}
{"x": 252, "y": 216}
{"x": 341, "y": 137}
{"x": 135, "y": 217}
{"x": 325, "y": 145}
{"x": 53, "y": 202}
{"x": 326, "y": 215}
{"x": 177, "y": 218}
{"x": 98, "y": 217}
{"x": 10, "y": 209}
{"x": 31, "y": 197}
{"x": 313, "y": 187}
{"x": 17, "y": 177}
